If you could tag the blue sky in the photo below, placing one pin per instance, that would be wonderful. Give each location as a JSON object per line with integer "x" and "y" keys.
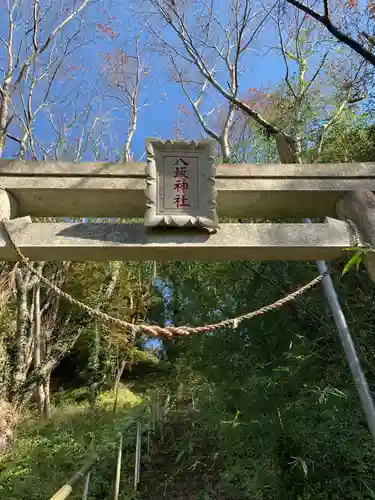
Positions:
{"x": 80, "y": 80}
{"x": 159, "y": 118}
{"x": 80, "y": 84}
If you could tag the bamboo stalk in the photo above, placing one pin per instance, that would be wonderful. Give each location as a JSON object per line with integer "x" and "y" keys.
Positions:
{"x": 67, "y": 489}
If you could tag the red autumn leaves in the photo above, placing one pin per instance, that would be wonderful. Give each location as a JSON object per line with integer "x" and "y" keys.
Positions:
{"x": 107, "y": 30}
{"x": 353, "y": 4}
{"x": 183, "y": 110}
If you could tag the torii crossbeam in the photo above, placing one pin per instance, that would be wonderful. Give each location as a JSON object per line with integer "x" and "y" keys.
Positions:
{"x": 67, "y": 190}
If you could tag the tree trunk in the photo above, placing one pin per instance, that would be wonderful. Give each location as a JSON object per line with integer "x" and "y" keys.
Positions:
{"x": 4, "y": 368}
{"x": 225, "y": 148}
{"x": 120, "y": 371}
{"x": 37, "y": 348}
{"x": 131, "y": 132}
{"x": 298, "y": 130}
{"x": 7, "y": 418}
{"x": 224, "y": 138}
{"x": 47, "y": 396}
{"x": 94, "y": 364}
{"x": 4, "y": 113}
{"x": 22, "y": 150}
{"x": 20, "y": 369}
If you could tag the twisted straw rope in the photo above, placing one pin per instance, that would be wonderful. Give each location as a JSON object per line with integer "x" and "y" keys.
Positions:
{"x": 356, "y": 234}
{"x": 154, "y": 330}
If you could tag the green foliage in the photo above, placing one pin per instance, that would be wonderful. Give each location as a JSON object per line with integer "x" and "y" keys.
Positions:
{"x": 350, "y": 139}
{"x": 275, "y": 395}
{"x": 277, "y": 414}
{"x": 357, "y": 258}
{"x": 94, "y": 357}
{"x": 46, "y": 454}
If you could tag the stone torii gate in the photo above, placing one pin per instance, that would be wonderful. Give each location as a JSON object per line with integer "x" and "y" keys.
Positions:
{"x": 339, "y": 196}
{"x": 327, "y": 192}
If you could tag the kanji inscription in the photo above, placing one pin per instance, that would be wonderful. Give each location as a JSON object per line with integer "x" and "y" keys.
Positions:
{"x": 180, "y": 184}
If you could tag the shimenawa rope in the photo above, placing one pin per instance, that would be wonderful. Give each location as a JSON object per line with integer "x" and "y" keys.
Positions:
{"x": 155, "y": 330}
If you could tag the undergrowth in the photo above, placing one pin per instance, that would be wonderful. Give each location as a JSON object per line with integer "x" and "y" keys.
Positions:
{"x": 200, "y": 453}
{"x": 45, "y": 454}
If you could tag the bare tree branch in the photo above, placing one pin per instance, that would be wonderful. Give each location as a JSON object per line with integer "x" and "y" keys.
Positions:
{"x": 317, "y": 71}
{"x": 10, "y": 86}
{"x": 183, "y": 33}
{"x": 326, "y": 126}
{"x": 36, "y": 24}
{"x": 49, "y": 39}
{"x": 336, "y": 31}
{"x": 195, "y": 104}
{"x": 282, "y": 47}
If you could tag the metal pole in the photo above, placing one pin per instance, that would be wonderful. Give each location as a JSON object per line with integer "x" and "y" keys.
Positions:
{"x": 348, "y": 345}
{"x": 118, "y": 469}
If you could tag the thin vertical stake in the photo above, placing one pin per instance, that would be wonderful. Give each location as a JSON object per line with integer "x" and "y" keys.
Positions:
{"x": 153, "y": 412}
{"x": 118, "y": 470}
{"x": 139, "y": 433}
{"x": 137, "y": 455}
{"x": 86, "y": 487}
{"x": 148, "y": 437}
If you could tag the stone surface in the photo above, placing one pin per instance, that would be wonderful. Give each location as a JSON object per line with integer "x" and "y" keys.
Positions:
{"x": 102, "y": 242}
{"x": 8, "y": 205}
{"x": 180, "y": 184}
{"x": 115, "y": 190}
{"x": 359, "y": 207}
{"x": 137, "y": 170}
{"x": 45, "y": 196}
{"x": 15, "y": 226}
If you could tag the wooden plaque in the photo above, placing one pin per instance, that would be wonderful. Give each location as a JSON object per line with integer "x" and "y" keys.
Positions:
{"x": 180, "y": 184}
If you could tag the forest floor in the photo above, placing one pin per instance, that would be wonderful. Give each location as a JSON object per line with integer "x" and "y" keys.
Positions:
{"x": 180, "y": 466}
{"x": 45, "y": 454}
